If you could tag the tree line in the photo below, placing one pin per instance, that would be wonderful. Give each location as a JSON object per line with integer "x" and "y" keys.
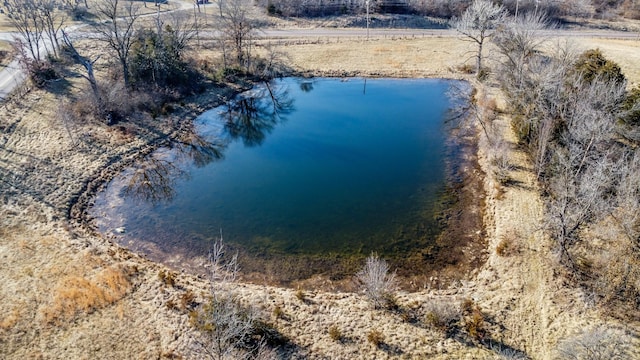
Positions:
{"x": 580, "y": 124}
{"x": 151, "y": 57}
{"x": 452, "y": 8}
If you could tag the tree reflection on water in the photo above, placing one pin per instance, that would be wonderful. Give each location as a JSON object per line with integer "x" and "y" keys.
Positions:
{"x": 250, "y": 117}
{"x": 200, "y": 150}
{"x": 254, "y": 115}
{"x": 153, "y": 179}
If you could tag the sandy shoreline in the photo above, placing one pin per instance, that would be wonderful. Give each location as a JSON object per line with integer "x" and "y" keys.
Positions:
{"x": 528, "y": 307}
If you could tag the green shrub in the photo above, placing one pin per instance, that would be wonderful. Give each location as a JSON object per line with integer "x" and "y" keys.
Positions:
{"x": 631, "y": 105}
{"x": 592, "y": 64}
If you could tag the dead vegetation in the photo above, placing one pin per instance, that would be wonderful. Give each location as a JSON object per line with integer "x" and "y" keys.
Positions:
{"x": 519, "y": 305}
{"x": 75, "y": 295}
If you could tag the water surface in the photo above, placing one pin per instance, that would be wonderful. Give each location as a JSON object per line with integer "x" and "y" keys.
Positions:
{"x": 313, "y": 169}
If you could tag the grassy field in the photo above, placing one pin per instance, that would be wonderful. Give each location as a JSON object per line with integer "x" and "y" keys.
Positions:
{"x": 144, "y": 7}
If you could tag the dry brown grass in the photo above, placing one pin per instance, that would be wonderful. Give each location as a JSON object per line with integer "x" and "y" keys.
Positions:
{"x": 508, "y": 244}
{"x": 375, "y": 337}
{"x": 10, "y": 319}
{"x": 520, "y": 292}
{"x": 381, "y": 56}
{"x": 75, "y": 294}
{"x": 5, "y": 23}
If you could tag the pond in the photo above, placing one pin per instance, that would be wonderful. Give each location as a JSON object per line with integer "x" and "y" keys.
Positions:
{"x": 300, "y": 176}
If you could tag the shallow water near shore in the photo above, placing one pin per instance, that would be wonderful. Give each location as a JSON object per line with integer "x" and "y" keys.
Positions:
{"x": 300, "y": 176}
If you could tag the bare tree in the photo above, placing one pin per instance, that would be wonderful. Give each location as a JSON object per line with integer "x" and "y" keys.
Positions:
{"x": 519, "y": 40}
{"x": 237, "y": 30}
{"x": 25, "y": 16}
{"x": 87, "y": 64}
{"x": 585, "y": 163}
{"x": 478, "y": 24}
{"x": 225, "y": 323}
{"x": 377, "y": 282}
{"x": 53, "y": 21}
{"x": 118, "y": 30}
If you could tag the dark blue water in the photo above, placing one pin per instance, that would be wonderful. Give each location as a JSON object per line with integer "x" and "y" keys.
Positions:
{"x": 319, "y": 166}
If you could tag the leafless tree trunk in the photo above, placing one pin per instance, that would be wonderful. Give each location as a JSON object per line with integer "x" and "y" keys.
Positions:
{"x": 53, "y": 21}
{"x": 478, "y": 24}
{"x": 237, "y": 29}
{"x": 118, "y": 30}
{"x": 88, "y": 65}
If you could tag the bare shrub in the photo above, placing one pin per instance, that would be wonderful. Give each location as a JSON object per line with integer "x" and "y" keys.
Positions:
{"x": 618, "y": 280}
{"x": 187, "y": 300}
{"x": 40, "y": 71}
{"x": 442, "y": 314}
{"x": 114, "y": 105}
{"x": 507, "y": 353}
{"x": 167, "y": 277}
{"x": 377, "y": 282}
{"x": 508, "y": 244}
{"x": 4, "y": 54}
{"x": 475, "y": 325}
{"x": 500, "y": 159}
{"x": 599, "y": 343}
{"x": 229, "y": 328}
{"x": 118, "y": 103}
{"x": 278, "y": 312}
{"x": 375, "y": 337}
{"x": 226, "y": 324}
{"x": 473, "y": 319}
{"x": 335, "y": 334}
